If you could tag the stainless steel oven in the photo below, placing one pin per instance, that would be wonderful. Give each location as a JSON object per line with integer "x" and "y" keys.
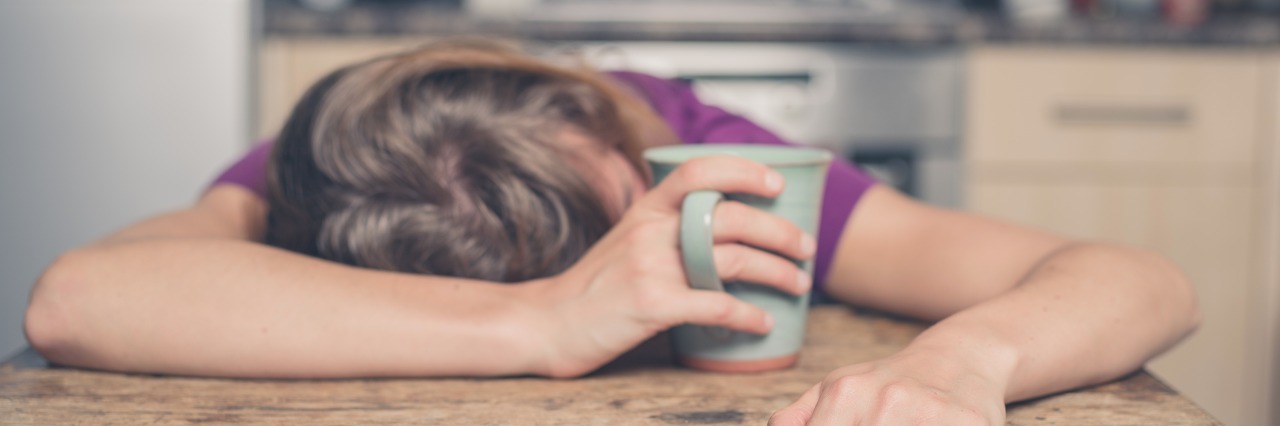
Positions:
{"x": 894, "y": 111}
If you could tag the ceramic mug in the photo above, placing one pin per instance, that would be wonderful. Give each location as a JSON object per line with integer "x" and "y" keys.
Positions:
{"x": 719, "y": 349}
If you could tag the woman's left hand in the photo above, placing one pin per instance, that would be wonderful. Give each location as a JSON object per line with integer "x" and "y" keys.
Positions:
{"x": 911, "y": 387}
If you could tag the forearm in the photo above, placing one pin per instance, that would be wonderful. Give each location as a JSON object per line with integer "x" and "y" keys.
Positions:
{"x": 1083, "y": 315}
{"x": 225, "y": 307}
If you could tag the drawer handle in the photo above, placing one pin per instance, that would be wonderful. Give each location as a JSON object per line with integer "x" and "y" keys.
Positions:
{"x": 1123, "y": 115}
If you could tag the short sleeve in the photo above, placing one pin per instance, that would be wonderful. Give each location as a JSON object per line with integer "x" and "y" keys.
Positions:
{"x": 696, "y": 122}
{"x": 250, "y": 171}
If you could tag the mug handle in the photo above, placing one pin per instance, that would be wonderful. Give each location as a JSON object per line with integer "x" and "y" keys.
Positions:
{"x": 697, "y": 241}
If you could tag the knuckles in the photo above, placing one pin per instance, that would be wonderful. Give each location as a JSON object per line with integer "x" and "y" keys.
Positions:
{"x": 722, "y": 312}
{"x": 708, "y": 172}
{"x": 786, "y": 417}
{"x": 639, "y": 263}
{"x": 845, "y": 385}
{"x": 649, "y": 298}
{"x": 730, "y": 261}
{"x": 734, "y": 218}
{"x": 921, "y": 404}
{"x": 732, "y": 214}
{"x": 642, "y": 232}
{"x": 696, "y": 172}
{"x": 903, "y": 393}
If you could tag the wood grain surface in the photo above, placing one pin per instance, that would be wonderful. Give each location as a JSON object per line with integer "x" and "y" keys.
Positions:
{"x": 643, "y": 387}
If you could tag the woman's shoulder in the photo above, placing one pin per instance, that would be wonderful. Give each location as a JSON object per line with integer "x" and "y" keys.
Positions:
{"x": 250, "y": 171}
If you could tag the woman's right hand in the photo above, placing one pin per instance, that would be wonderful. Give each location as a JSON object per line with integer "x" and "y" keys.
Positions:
{"x": 631, "y": 285}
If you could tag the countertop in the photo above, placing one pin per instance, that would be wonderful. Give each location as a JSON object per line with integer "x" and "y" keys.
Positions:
{"x": 401, "y": 19}
{"x": 641, "y": 388}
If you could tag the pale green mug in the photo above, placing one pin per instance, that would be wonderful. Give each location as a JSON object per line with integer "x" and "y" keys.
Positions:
{"x": 718, "y": 349}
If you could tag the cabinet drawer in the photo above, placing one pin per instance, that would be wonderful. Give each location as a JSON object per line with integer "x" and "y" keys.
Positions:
{"x": 1125, "y": 105}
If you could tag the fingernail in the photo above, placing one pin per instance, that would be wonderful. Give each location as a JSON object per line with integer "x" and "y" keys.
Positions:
{"x": 768, "y": 321}
{"x": 808, "y": 245}
{"x": 803, "y": 281}
{"x": 773, "y": 181}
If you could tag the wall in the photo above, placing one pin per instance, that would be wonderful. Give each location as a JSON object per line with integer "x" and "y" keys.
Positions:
{"x": 109, "y": 111}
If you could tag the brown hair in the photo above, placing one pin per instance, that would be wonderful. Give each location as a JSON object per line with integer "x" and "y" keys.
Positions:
{"x": 445, "y": 160}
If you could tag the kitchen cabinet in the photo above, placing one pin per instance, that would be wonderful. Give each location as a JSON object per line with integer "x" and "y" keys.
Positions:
{"x": 287, "y": 67}
{"x": 1270, "y": 244}
{"x": 1163, "y": 148}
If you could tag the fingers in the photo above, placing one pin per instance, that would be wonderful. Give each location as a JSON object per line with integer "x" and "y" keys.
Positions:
{"x": 799, "y": 412}
{"x": 843, "y": 400}
{"x": 861, "y": 399}
{"x": 722, "y": 173}
{"x": 736, "y": 262}
{"x": 737, "y": 222}
{"x": 713, "y": 308}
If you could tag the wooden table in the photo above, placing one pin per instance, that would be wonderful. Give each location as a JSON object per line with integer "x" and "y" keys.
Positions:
{"x": 641, "y": 388}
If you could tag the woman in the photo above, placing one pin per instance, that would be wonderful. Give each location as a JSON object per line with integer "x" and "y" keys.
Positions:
{"x": 483, "y": 213}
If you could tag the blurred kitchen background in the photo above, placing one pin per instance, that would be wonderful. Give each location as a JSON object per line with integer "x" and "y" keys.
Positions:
{"x": 1146, "y": 122}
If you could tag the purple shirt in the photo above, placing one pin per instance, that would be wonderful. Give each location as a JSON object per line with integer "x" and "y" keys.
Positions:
{"x": 693, "y": 122}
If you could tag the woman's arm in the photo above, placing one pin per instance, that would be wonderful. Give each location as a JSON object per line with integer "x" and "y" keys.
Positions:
{"x": 192, "y": 293}
{"x": 1023, "y": 313}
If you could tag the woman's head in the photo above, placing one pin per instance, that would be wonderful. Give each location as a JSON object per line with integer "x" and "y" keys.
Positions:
{"x": 461, "y": 158}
